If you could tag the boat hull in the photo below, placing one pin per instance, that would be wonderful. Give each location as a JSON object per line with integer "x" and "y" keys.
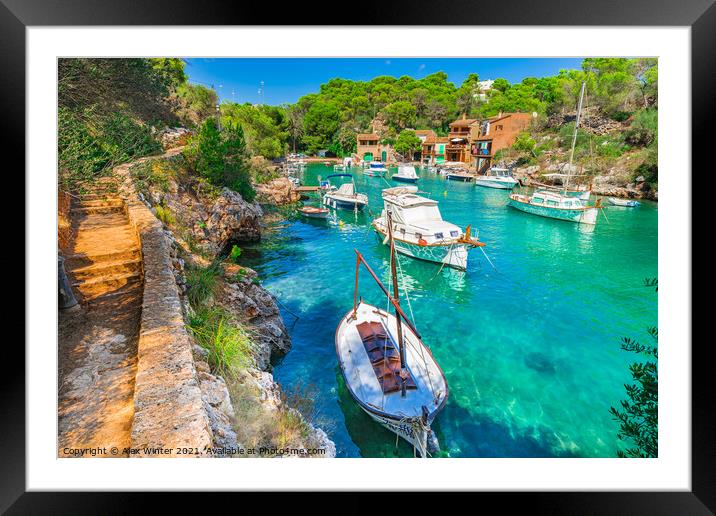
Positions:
{"x": 343, "y": 204}
{"x": 405, "y": 179}
{"x": 456, "y": 177}
{"x": 452, "y": 255}
{"x": 625, "y": 203}
{"x": 501, "y": 185}
{"x": 321, "y": 215}
{"x": 585, "y": 216}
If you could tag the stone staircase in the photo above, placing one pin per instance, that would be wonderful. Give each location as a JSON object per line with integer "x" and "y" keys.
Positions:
{"x": 104, "y": 257}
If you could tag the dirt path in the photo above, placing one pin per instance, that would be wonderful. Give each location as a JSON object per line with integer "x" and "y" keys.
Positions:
{"x": 98, "y": 339}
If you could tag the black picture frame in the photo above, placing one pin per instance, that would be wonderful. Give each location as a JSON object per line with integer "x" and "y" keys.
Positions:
{"x": 700, "y": 15}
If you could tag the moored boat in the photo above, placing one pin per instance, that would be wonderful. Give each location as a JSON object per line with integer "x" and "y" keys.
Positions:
{"x": 376, "y": 168}
{"x": 497, "y": 178}
{"x": 562, "y": 204}
{"x": 555, "y": 206}
{"x": 420, "y": 231}
{"x": 459, "y": 175}
{"x": 406, "y": 174}
{"x": 627, "y": 203}
{"x": 387, "y": 368}
{"x": 314, "y": 212}
{"x": 344, "y": 197}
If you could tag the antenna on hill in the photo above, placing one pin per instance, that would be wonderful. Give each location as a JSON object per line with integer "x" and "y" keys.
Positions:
{"x": 261, "y": 92}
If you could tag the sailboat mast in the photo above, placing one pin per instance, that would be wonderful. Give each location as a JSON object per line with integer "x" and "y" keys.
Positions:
{"x": 396, "y": 296}
{"x": 574, "y": 137}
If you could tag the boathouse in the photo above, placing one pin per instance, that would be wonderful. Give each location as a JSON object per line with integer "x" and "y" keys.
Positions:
{"x": 368, "y": 147}
{"x": 458, "y": 147}
{"x": 499, "y": 132}
{"x": 433, "y": 149}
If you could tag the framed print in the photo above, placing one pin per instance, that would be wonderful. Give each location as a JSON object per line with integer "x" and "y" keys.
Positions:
{"x": 297, "y": 258}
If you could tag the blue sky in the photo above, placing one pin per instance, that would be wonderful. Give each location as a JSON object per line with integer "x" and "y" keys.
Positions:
{"x": 287, "y": 79}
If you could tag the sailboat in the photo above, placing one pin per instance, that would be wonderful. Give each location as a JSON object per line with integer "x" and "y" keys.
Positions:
{"x": 345, "y": 196}
{"x": 388, "y": 370}
{"x": 420, "y": 229}
{"x": 562, "y": 205}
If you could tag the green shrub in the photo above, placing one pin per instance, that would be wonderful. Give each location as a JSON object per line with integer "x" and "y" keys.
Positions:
{"x": 165, "y": 215}
{"x": 220, "y": 157}
{"x": 201, "y": 283}
{"x": 155, "y": 173}
{"x": 609, "y": 148}
{"x": 235, "y": 253}
{"x": 644, "y": 129}
{"x": 91, "y": 142}
{"x": 228, "y": 343}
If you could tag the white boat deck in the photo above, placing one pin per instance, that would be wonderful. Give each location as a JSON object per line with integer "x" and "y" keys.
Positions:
{"x": 361, "y": 378}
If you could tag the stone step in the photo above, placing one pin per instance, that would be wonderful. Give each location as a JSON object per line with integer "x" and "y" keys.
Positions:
{"x": 96, "y": 203}
{"x": 93, "y": 210}
{"x": 103, "y": 222}
{"x": 107, "y": 268}
{"x": 79, "y": 260}
{"x": 104, "y": 285}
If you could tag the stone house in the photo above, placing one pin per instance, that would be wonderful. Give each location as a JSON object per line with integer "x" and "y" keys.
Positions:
{"x": 498, "y": 132}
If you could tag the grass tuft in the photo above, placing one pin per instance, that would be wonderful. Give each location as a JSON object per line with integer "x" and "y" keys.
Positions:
{"x": 228, "y": 343}
{"x": 202, "y": 283}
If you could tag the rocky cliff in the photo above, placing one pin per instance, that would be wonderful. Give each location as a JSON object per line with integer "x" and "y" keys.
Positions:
{"x": 250, "y": 409}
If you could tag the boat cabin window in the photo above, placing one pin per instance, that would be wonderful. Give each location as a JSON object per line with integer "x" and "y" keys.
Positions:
{"x": 438, "y": 236}
{"x": 418, "y": 235}
{"x": 454, "y": 233}
{"x": 538, "y": 200}
{"x": 550, "y": 202}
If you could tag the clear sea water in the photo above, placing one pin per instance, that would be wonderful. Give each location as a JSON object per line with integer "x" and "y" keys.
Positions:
{"x": 531, "y": 350}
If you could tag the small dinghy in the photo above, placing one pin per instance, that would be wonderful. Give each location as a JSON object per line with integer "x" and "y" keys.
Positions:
{"x": 388, "y": 370}
{"x": 406, "y": 174}
{"x": 627, "y": 203}
{"x": 314, "y": 212}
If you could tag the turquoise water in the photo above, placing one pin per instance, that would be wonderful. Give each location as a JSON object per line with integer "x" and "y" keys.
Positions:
{"x": 531, "y": 350}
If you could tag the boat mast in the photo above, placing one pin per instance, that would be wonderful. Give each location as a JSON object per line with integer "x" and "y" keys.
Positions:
{"x": 574, "y": 137}
{"x": 396, "y": 296}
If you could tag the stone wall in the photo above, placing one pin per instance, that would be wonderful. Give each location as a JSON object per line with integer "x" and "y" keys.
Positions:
{"x": 169, "y": 410}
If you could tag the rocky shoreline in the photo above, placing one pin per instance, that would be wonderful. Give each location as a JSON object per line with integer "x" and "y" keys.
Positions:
{"x": 203, "y": 226}
{"x": 608, "y": 185}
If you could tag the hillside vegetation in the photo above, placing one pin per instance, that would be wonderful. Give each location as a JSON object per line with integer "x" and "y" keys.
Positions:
{"x": 112, "y": 110}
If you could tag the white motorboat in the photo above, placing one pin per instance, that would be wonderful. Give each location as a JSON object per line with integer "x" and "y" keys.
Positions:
{"x": 497, "y": 178}
{"x": 387, "y": 368}
{"x": 420, "y": 231}
{"x": 626, "y": 203}
{"x": 344, "y": 197}
{"x": 406, "y": 174}
{"x": 376, "y": 168}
